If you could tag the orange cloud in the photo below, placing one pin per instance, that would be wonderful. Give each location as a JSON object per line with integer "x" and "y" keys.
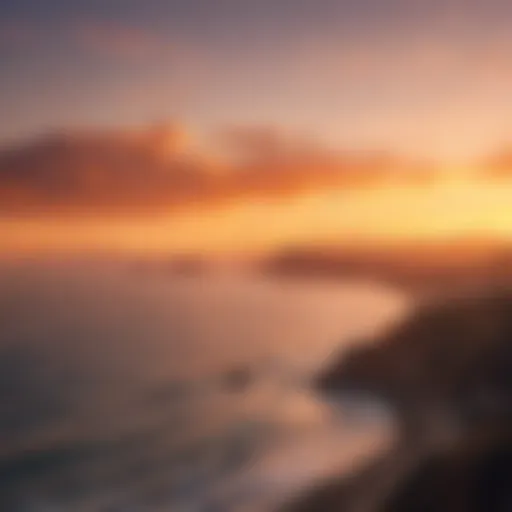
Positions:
{"x": 105, "y": 170}
{"x": 158, "y": 169}
{"x": 497, "y": 165}
{"x": 277, "y": 161}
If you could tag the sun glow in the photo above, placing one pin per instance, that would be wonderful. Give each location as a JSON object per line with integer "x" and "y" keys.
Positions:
{"x": 455, "y": 206}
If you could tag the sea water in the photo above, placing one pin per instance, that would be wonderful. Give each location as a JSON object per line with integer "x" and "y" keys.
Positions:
{"x": 124, "y": 389}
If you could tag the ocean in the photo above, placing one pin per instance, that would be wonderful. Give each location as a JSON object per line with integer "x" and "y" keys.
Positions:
{"x": 128, "y": 389}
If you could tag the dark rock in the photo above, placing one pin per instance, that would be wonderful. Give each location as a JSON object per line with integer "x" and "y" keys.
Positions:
{"x": 473, "y": 476}
{"x": 446, "y": 372}
{"x": 448, "y": 361}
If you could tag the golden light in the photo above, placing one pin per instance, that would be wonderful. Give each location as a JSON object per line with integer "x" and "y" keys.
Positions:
{"x": 456, "y": 206}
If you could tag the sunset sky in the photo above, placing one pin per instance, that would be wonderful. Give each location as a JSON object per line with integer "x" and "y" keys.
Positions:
{"x": 422, "y": 76}
{"x": 422, "y": 81}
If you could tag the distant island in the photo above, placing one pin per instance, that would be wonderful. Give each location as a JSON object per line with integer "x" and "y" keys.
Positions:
{"x": 415, "y": 266}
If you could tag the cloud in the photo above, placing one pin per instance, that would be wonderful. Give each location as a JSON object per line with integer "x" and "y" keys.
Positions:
{"x": 117, "y": 169}
{"x": 158, "y": 168}
{"x": 497, "y": 165}
{"x": 280, "y": 161}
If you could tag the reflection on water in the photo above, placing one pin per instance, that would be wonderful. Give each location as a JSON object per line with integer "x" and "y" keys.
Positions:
{"x": 126, "y": 391}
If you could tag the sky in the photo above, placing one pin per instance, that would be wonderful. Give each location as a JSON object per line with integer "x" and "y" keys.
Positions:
{"x": 234, "y": 124}
{"x": 420, "y": 77}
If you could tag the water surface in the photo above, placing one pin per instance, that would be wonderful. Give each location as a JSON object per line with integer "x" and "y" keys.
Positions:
{"x": 123, "y": 390}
